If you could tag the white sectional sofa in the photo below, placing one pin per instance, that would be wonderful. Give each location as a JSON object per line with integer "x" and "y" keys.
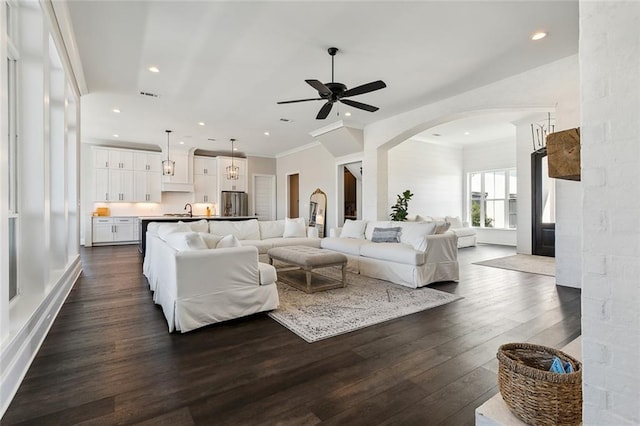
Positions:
{"x": 466, "y": 234}
{"x": 418, "y": 259}
{"x": 197, "y": 284}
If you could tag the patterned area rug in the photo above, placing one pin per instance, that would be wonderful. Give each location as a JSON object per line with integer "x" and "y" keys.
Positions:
{"x": 364, "y": 302}
{"x": 542, "y": 265}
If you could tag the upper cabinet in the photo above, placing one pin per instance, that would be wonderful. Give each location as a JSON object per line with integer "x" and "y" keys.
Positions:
{"x": 122, "y": 175}
{"x": 205, "y": 179}
{"x": 239, "y": 184}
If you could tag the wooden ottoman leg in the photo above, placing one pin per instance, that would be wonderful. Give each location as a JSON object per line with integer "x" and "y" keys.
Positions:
{"x": 344, "y": 274}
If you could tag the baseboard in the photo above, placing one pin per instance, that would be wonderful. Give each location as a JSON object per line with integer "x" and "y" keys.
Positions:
{"x": 17, "y": 356}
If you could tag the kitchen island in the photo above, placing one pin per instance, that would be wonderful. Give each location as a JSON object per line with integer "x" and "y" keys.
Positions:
{"x": 146, "y": 220}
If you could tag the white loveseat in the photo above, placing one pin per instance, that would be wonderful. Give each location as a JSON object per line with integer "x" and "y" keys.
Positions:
{"x": 419, "y": 259}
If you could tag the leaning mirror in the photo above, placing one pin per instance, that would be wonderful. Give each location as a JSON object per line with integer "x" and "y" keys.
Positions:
{"x": 317, "y": 211}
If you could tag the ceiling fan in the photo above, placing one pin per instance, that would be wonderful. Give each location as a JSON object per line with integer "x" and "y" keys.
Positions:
{"x": 337, "y": 92}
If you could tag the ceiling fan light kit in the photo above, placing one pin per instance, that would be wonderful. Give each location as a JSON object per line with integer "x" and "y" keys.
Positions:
{"x": 337, "y": 92}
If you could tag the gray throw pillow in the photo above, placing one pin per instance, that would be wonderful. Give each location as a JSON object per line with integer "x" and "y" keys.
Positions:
{"x": 386, "y": 235}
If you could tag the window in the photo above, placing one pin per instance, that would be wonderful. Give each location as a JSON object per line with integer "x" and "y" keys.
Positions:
{"x": 493, "y": 199}
{"x": 12, "y": 148}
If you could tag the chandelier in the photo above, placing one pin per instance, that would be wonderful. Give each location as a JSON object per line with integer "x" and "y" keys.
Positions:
{"x": 232, "y": 171}
{"x": 540, "y": 131}
{"x": 168, "y": 166}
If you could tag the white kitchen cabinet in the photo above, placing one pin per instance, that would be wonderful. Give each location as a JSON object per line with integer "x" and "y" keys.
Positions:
{"x": 100, "y": 158}
{"x": 225, "y": 184}
{"x": 205, "y": 180}
{"x": 120, "y": 159}
{"x": 114, "y": 230}
{"x": 147, "y": 161}
{"x": 101, "y": 185}
{"x": 146, "y": 186}
{"x": 121, "y": 185}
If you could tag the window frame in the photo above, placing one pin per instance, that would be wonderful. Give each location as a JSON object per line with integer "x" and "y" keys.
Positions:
{"x": 482, "y": 198}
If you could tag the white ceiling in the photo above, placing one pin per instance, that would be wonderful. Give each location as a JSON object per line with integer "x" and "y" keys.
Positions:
{"x": 227, "y": 63}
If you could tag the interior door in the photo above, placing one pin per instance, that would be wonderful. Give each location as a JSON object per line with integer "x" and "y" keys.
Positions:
{"x": 543, "y": 206}
{"x": 294, "y": 196}
{"x": 264, "y": 196}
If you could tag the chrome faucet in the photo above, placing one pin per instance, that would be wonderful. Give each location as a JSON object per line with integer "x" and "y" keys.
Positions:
{"x": 189, "y": 209}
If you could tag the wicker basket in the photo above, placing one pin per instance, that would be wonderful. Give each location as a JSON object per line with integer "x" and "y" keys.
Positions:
{"x": 533, "y": 393}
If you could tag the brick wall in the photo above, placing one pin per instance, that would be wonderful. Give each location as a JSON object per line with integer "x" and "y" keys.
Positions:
{"x": 610, "y": 109}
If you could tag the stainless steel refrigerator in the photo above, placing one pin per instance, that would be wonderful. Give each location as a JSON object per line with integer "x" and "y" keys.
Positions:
{"x": 234, "y": 203}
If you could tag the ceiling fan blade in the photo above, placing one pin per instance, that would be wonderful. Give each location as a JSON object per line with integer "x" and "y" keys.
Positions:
{"x": 321, "y": 88}
{"x": 359, "y": 105}
{"x": 324, "y": 111}
{"x": 365, "y": 88}
{"x": 300, "y": 100}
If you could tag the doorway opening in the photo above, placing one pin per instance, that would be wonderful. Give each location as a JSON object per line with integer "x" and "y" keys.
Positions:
{"x": 350, "y": 183}
{"x": 543, "y": 206}
{"x": 294, "y": 196}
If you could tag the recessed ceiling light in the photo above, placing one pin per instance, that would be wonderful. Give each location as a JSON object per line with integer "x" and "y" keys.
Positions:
{"x": 154, "y": 69}
{"x": 347, "y": 114}
{"x": 181, "y": 142}
{"x": 266, "y": 133}
{"x": 116, "y": 136}
{"x": 116, "y": 110}
{"x": 538, "y": 36}
{"x": 467, "y": 133}
{"x": 201, "y": 123}
{"x": 235, "y": 149}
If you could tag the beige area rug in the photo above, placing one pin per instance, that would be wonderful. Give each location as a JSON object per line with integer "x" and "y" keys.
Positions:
{"x": 364, "y": 302}
{"x": 542, "y": 265}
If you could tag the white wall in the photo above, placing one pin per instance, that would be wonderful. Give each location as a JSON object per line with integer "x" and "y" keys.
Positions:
{"x": 317, "y": 169}
{"x": 261, "y": 166}
{"x": 433, "y": 173}
{"x": 610, "y": 133}
{"x": 485, "y": 156}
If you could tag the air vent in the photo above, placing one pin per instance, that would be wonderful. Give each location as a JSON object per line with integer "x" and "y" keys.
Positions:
{"x": 286, "y": 120}
{"x": 151, "y": 95}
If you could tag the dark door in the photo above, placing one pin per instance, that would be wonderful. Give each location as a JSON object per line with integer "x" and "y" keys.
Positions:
{"x": 543, "y": 206}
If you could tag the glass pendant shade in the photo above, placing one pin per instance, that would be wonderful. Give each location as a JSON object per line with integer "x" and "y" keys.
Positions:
{"x": 168, "y": 166}
{"x": 232, "y": 172}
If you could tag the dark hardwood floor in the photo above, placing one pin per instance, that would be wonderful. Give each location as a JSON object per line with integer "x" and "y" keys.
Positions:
{"x": 110, "y": 360}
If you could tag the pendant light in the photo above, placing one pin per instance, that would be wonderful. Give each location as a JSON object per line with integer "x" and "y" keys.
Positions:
{"x": 168, "y": 166}
{"x": 232, "y": 171}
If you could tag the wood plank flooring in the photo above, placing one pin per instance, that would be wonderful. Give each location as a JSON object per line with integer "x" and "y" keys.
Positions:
{"x": 110, "y": 360}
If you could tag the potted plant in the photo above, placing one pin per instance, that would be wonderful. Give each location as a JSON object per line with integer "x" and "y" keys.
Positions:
{"x": 400, "y": 207}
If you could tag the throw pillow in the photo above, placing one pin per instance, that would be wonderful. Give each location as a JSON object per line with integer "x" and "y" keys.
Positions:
{"x": 195, "y": 241}
{"x": 454, "y": 221}
{"x": 228, "y": 242}
{"x": 353, "y": 229}
{"x": 210, "y": 240}
{"x": 294, "y": 228}
{"x": 415, "y": 233}
{"x": 185, "y": 241}
{"x": 442, "y": 227}
{"x": 386, "y": 235}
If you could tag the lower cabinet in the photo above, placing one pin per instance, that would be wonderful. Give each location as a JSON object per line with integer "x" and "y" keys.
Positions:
{"x": 114, "y": 230}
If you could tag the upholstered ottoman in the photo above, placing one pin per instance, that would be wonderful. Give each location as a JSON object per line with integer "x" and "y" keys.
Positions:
{"x": 307, "y": 259}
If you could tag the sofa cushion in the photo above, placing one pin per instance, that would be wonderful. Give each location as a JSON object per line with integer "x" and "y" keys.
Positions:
{"x": 185, "y": 241}
{"x": 393, "y": 252}
{"x": 152, "y": 228}
{"x": 228, "y": 241}
{"x": 282, "y": 242}
{"x": 415, "y": 233}
{"x": 386, "y": 235}
{"x": 344, "y": 245}
{"x": 242, "y": 230}
{"x": 371, "y": 225}
{"x": 261, "y": 245}
{"x": 210, "y": 240}
{"x": 198, "y": 226}
{"x": 353, "y": 229}
{"x": 463, "y": 232}
{"x": 294, "y": 228}
{"x": 455, "y": 222}
{"x": 271, "y": 228}
{"x": 169, "y": 228}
